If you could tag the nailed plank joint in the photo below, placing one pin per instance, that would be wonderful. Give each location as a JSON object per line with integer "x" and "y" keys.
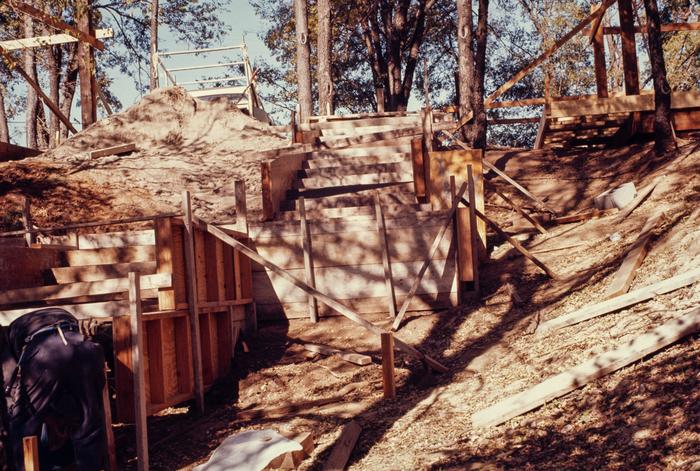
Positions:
{"x": 615, "y": 304}
{"x": 574, "y": 378}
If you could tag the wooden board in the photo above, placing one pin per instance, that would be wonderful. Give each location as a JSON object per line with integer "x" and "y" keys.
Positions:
{"x": 10, "y": 152}
{"x": 50, "y": 40}
{"x": 338, "y": 459}
{"x": 114, "y": 150}
{"x": 74, "y": 290}
{"x": 137, "y": 253}
{"x": 351, "y": 357}
{"x": 624, "y": 276}
{"x": 22, "y": 267}
{"x": 620, "y": 104}
{"x": 621, "y": 302}
{"x": 116, "y": 239}
{"x": 574, "y": 378}
{"x": 101, "y": 272}
{"x": 277, "y": 177}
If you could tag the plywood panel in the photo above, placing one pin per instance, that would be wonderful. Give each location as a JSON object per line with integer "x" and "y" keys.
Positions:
{"x": 185, "y": 379}
{"x": 22, "y": 267}
{"x": 170, "y": 365}
{"x": 357, "y": 281}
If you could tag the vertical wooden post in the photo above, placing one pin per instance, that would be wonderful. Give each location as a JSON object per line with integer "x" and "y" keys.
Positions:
{"x": 293, "y": 126}
{"x": 473, "y": 229}
{"x": 419, "y": 176}
{"x": 426, "y": 115}
{"x": 164, "y": 260}
{"x": 629, "y": 47}
{"x": 241, "y": 206}
{"x": 388, "y": 379}
{"x": 192, "y": 302}
{"x": 386, "y": 258}
{"x": 456, "y": 237}
{"x": 27, "y": 221}
{"x": 308, "y": 259}
{"x": 31, "y": 453}
{"x": 109, "y": 433}
{"x": 138, "y": 367}
{"x": 601, "y": 73}
{"x": 379, "y": 93}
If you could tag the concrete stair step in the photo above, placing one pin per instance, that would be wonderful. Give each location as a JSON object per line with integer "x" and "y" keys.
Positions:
{"x": 360, "y": 169}
{"x": 310, "y": 193}
{"x": 323, "y": 162}
{"x": 349, "y": 180}
{"x": 346, "y": 212}
{"x": 387, "y": 147}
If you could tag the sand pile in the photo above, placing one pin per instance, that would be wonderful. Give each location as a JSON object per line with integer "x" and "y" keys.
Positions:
{"x": 182, "y": 143}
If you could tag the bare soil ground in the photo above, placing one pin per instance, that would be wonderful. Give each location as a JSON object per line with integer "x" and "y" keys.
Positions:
{"x": 644, "y": 416}
{"x": 182, "y": 144}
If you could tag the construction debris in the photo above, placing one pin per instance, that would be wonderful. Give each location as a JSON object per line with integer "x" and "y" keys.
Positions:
{"x": 340, "y": 454}
{"x": 252, "y": 450}
{"x": 352, "y": 357}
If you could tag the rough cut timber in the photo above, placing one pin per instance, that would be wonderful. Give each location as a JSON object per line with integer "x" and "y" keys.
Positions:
{"x": 580, "y": 375}
{"x": 49, "y": 40}
{"x": 343, "y": 447}
{"x": 621, "y": 302}
{"x": 356, "y": 358}
{"x": 114, "y": 150}
{"x": 625, "y": 274}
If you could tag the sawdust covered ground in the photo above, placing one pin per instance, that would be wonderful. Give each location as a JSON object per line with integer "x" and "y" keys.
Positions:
{"x": 644, "y": 416}
{"x": 182, "y": 143}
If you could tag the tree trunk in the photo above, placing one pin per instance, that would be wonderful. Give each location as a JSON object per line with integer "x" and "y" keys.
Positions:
{"x": 465, "y": 60}
{"x": 663, "y": 131}
{"x": 303, "y": 60}
{"x": 32, "y": 99}
{"x": 325, "y": 45}
{"x": 154, "y": 44}
{"x": 478, "y": 134}
{"x": 69, "y": 86}
{"x": 4, "y": 128}
{"x": 53, "y": 61}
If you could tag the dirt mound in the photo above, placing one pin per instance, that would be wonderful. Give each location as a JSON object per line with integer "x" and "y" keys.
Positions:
{"x": 182, "y": 143}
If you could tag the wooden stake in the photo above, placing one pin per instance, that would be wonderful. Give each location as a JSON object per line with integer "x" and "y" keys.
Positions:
{"x": 474, "y": 230}
{"x": 343, "y": 447}
{"x": 388, "y": 379}
{"x": 31, "y": 453}
{"x": 431, "y": 254}
{"x": 193, "y": 302}
{"x": 308, "y": 259}
{"x": 327, "y": 300}
{"x": 241, "y": 206}
{"x": 27, "y": 221}
{"x": 138, "y": 367}
{"x": 109, "y": 432}
{"x": 514, "y": 243}
{"x": 517, "y": 208}
{"x": 386, "y": 257}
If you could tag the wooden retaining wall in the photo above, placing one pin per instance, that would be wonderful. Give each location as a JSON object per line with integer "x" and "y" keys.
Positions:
{"x": 91, "y": 283}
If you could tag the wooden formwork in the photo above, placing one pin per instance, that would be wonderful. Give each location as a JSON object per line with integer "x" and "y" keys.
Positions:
{"x": 91, "y": 283}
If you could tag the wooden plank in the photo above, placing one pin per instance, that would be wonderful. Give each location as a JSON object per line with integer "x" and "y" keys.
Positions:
{"x": 10, "y": 152}
{"x": 665, "y": 28}
{"x": 594, "y": 106}
{"x": 641, "y": 196}
{"x": 623, "y": 277}
{"x": 418, "y": 163}
{"x": 621, "y": 302}
{"x": 222, "y": 324}
{"x": 116, "y": 239}
{"x": 74, "y": 290}
{"x": 123, "y": 376}
{"x": 30, "y": 447}
{"x": 220, "y": 270}
{"x": 386, "y": 258}
{"x": 457, "y": 235}
{"x": 164, "y": 260}
{"x": 136, "y": 253}
{"x": 250, "y": 253}
{"x": 27, "y": 221}
{"x": 200, "y": 264}
{"x": 574, "y": 378}
{"x": 342, "y": 449}
{"x": 541, "y": 131}
{"x": 388, "y": 376}
{"x": 211, "y": 269}
{"x": 138, "y": 368}
{"x": 50, "y": 40}
{"x": 101, "y": 272}
{"x": 109, "y": 431}
{"x": 86, "y": 64}
{"x": 476, "y": 247}
{"x": 277, "y": 177}
{"x": 241, "y": 206}
{"x": 113, "y": 150}
{"x": 306, "y": 248}
{"x": 237, "y": 269}
{"x": 584, "y": 216}
{"x": 516, "y": 245}
{"x": 599, "y": 65}
{"x": 518, "y": 209}
{"x": 169, "y": 346}
{"x": 208, "y": 342}
{"x": 192, "y": 301}
{"x": 156, "y": 362}
{"x": 14, "y": 66}
{"x": 547, "y": 53}
{"x": 183, "y": 355}
{"x": 416, "y": 283}
{"x": 372, "y": 138}
{"x": 351, "y": 357}
{"x": 57, "y": 23}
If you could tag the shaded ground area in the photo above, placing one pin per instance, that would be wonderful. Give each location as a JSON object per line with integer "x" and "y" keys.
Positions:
{"x": 642, "y": 417}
